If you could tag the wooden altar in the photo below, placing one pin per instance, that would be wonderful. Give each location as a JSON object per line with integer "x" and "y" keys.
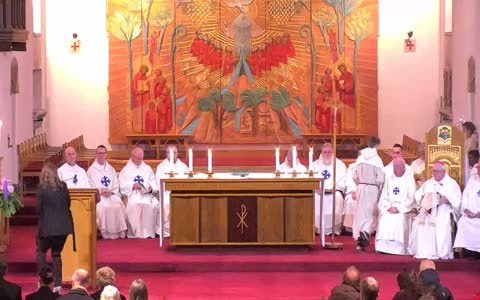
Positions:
{"x": 247, "y": 211}
{"x": 158, "y": 141}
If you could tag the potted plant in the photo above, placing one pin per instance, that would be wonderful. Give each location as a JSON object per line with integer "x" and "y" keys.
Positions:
{"x": 10, "y": 203}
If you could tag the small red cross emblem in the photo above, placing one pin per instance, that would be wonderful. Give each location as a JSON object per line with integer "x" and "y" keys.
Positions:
{"x": 410, "y": 45}
{"x": 75, "y": 46}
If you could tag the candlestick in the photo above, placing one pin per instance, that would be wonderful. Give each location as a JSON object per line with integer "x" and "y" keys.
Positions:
{"x": 277, "y": 158}
{"x": 294, "y": 157}
{"x": 170, "y": 158}
{"x": 310, "y": 159}
{"x": 209, "y": 168}
{"x": 190, "y": 159}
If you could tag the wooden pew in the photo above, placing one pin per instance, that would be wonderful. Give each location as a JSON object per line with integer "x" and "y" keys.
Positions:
{"x": 409, "y": 151}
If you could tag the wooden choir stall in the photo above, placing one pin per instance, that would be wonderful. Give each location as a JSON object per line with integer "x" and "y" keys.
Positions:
{"x": 83, "y": 208}
{"x": 242, "y": 211}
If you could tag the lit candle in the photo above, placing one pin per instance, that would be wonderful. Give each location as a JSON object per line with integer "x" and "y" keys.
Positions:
{"x": 294, "y": 157}
{"x": 209, "y": 160}
{"x": 310, "y": 159}
{"x": 190, "y": 159}
{"x": 277, "y": 158}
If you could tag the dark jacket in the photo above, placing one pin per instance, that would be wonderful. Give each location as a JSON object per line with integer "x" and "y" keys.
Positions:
{"x": 98, "y": 294}
{"x": 43, "y": 293}
{"x": 54, "y": 210}
{"x": 76, "y": 294}
{"x": 9, "y": 290}
{"x": 430, "y": 278}
{"x": 344, "y": 292}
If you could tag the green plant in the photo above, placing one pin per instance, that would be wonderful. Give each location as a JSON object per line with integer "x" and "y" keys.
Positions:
{"x": 10, "y": 205}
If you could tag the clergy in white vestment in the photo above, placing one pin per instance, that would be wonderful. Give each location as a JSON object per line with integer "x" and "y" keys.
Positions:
{"x": 350, "y": 195}
{"x": 438, "y": 202}
{"x": 111, "y": 214}
{"x": 287, "y": 165}
{"x": 418, "y": 166}
{"x": 396, "y": 153}
{"x": 395, "y": 206}
{"x": 468, "y": 226}
{"x": 369, "y": 178}
{"x": 138, "y": 183}
{"x": 72, "y": 174}
{"x": 178, "y": 167}
{"x": 324, "y": 167}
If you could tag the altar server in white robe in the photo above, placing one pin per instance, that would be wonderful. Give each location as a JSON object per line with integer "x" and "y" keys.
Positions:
{"x": 418, "y": 166}
{"x": 72, "y": 174}
{"x": 395, "y": 206}
{"x": 138, "y": 183}
{"x": 287, "y": 165}
{"x": 111, "y": 214}
{"x": 179, "y": 168}
{"x": 438, "y": 200}
{"x": 369, "y": 177}
{"x": 324, "y": 167}
{"x": 396, "y": 153}
{"x": 469, "y": 223}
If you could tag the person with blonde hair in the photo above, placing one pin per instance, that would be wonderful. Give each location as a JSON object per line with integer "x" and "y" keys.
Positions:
{"x": 110, "y": 293}
{"x": 138, "y": 290}
{"x": 55, "y": 220}
{"x": 105, "y": 277}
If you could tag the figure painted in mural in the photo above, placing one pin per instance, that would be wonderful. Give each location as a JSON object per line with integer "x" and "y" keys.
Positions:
{"x": 327, "y": 82}
{"x": 345, "y": 86}
{"x": 322, "y": 111}
{"x": 196, "y": 44}
{"x": 332, "y": 40}
{"x": 153, "y": 47}
{"x": 228, "y": 61}
{"x": 159, "y": 83}
{"x": 141, "y": 86}
{"x": 289, "y": 48}
{"x": 216, "y": 56}
{"x": 151, "y": 118}
{"x": 164, "y": 112}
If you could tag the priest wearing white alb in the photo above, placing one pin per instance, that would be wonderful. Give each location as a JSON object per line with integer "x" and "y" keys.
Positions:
{"x": 350, "y": 195}
{"x": 288, "y": 165}
{"x": 111, "y": 214}
{"x": 324, "y": 167}
{"x": 438, "y": 200}
{"x": 138, "y": 183}
{"x": 395, "y": 206}
{"x": 469, "y": 223}
{"x": 72, "y": 174}
{"x": 178, "y": 167}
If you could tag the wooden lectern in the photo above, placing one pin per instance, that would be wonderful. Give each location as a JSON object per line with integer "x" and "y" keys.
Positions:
{"x": 83, "y": 208}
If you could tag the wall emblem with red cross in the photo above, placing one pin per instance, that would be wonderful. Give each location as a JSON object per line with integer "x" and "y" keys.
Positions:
{"x": 410, "y": 45}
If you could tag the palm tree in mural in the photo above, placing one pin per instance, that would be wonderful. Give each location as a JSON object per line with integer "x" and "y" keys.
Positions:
{"x": 253, "y": 99}
{"x": 324, "y": 18}
{"x": 143, "y": 8}
{"x": 161, "y": 18}
{"x": 213, "y": 104}
{"x": 125, "y": 26}
{"x": 343, "y": 8}
{"x": 280, "y": 101}
{"x": 359, "y": 28}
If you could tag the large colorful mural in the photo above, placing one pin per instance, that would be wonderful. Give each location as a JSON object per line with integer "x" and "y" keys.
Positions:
{"x": 242, "y": 71}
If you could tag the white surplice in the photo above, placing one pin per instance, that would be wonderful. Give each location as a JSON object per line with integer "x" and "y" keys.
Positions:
{"x": 388, "y": 169}
{"x": 431, "y": 236}
{"x": 468, "y": 228}
{"x": 394, "y": 228}
{"x": 369, "y": 178}
{"x": 349, "y": 203}
{"x": 111, "y": 214}
{"x": 163, "y": 169}
{"x": 285, "y": 168}
{"x": 418, "y": 166}
{"x": 142, "y": 206}
{"x": 74, "y": 176}
{"x": 326, "y": 171}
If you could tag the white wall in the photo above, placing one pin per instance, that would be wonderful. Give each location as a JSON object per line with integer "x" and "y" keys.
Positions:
{"x": 76, "y": 91}
{"x": 23, "y": 124}
{"x": 409, "y": 86}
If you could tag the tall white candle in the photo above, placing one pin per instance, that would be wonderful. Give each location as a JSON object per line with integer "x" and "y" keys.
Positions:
{"x": 277, "y": 158}
{"x": 209, "y": 160}
{"x": 190, "y": 159}
{"x": 310, "y": 159}
{"x": 294, "y": 157}
{"x": 170, "y": 158}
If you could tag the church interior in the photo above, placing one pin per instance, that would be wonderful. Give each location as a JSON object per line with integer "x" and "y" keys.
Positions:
{"x": 237, "y": 86}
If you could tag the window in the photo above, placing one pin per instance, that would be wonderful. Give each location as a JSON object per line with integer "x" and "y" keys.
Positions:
{"x": 37, "y": 16}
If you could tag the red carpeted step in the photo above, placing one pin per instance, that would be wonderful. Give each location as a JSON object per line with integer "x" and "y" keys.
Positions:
{"x": 27, "y": 215}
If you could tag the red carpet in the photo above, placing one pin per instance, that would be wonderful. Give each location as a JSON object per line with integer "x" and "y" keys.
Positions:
{"x": 240, "y": 272}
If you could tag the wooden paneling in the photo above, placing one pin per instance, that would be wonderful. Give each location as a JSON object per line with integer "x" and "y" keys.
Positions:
{"x": 299, "y": 213}
{"x": 213, "y": 219}
{"x": 184, "y": 220}
{"x": 270, "y": 214}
